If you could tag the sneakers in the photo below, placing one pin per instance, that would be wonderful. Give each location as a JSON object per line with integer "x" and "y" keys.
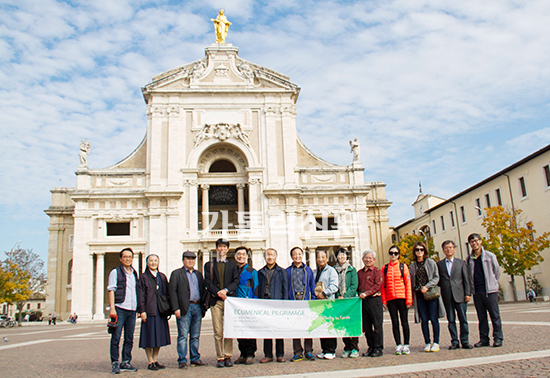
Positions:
{"x": 428, "y": 347}
{"x": 125, "y": 366}
{"x": 116, "y": 367}
{"x": 406, "y": 350}
{"x": 399, "y": 349}
{"x": 330, "y": 356}
{"x": 321, "y": 356}
{"x": 435, "y": 347}
{"x": 346, "y": 353}
{"x": 309, "y": 357}
{"x": 297, "y": 357}
{"x": 354, "y": 353}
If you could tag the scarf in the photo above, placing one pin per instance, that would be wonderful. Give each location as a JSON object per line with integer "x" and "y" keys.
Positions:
{"x": 341, "y": 270}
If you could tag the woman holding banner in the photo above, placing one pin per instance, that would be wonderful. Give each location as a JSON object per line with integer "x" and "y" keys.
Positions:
{"x": 347, "y": 288}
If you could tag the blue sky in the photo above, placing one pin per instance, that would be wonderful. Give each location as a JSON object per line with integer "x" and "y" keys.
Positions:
{"x": 442, "y": 92}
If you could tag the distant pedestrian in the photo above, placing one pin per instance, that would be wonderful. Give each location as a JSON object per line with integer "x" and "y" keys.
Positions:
{"x": 531, "y": 295}
{"x": 485, "y": 273}
{"x": 49, "y": 319}
{"x": 397, "y": 298}
{"x": 154, "y": 325}
{"x": 54, "y": 318}
{"x": 456, "y": 289}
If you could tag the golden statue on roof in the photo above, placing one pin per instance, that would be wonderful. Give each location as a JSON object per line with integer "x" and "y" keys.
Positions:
{"x": 221, "y": 26}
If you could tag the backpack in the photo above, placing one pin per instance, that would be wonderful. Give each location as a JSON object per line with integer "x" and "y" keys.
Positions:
{"x": 401, "y": 268}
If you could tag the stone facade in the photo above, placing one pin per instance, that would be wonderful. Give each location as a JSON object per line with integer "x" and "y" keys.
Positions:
{"x": 524, "y": 185}
{"x": 221, "y": 158}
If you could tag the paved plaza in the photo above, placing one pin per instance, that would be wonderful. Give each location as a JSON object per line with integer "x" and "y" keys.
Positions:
{"x": 83, "y": 350}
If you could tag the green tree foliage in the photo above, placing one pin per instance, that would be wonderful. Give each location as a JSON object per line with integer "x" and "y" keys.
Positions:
{"x": 517, "y": 248}
{"x": 24, "y": 276}
{"x": 405, "y": 246}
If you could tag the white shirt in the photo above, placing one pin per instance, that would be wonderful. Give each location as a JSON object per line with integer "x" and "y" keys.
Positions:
{"x": 130, "y": 299}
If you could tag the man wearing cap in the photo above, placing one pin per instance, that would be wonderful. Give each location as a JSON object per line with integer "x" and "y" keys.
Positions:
{"x": 187, "y": 290}
{"x": 222, "y": 280}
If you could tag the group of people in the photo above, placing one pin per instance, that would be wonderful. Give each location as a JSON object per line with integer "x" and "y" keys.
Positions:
{"x": 433, "y": 289}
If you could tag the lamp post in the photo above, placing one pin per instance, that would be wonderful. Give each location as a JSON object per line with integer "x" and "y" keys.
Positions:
{"x": 9, "y": 268}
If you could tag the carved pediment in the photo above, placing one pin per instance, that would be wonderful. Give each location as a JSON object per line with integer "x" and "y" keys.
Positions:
{"x": 221, "y": 131}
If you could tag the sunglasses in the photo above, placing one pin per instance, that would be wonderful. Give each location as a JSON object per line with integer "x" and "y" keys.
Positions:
{"x": 394, "y": 253}
{"x": 419, "y": 250}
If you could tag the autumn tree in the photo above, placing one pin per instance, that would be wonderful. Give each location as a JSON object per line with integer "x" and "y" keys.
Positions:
{"x": 24, "y": 277}
{"x": 405, "y": 246}
{"x": 515, "y": 245}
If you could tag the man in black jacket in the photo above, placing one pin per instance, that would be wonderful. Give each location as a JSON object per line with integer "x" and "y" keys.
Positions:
{"x": 456, "y": 291}
{"x": 222, "y": 280}
{"x": 187, "y": 291}
{"x": 273, "y": 284}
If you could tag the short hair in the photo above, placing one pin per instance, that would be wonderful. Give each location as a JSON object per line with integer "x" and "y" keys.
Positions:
{"x": 341, "y": 250}
{"x": 271, "y": 249}
{"x": 293, "y": 248}
{"x": 447, "y": 242}
{"x": 369, "y": 251}
{"x": 321, "y": 251}
{"x": 222, "y": 241}
{"x": 473, "y": 236}
{"x": 241, "y": 247}
{"x": 124, "y": 250}
{"x": 420, "y": 244}
{"x": 394, "y": 247}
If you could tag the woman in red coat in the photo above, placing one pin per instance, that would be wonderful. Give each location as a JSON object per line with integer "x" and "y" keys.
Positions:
{"x": 397, "y": 298}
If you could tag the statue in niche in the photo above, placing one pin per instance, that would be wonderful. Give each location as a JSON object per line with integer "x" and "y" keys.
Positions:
{"x": 355, "y": 150}
{"x": 85, "y": 147}
{"x": 221, "y": 26}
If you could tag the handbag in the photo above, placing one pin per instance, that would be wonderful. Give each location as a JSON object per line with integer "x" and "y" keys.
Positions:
{"x": 432, "y": 293}
{"x": 163, "y": 303}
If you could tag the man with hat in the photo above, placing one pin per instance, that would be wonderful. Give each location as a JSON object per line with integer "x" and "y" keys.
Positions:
{"x": 222, "y": 280}
{"x": 187, "y": 291}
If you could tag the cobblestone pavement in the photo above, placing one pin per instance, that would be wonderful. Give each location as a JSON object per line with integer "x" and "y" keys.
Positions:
{"x": 83, "y": 350}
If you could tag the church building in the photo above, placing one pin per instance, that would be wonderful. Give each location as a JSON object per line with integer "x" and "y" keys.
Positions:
{"x": 221, "y": 157}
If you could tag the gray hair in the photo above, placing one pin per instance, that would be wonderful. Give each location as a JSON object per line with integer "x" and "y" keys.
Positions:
{"x": 369, "y": 251}
{"x": 271, "y": 249}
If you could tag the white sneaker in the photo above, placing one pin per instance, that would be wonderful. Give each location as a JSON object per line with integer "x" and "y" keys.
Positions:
{"x": 321, "y": 356}
{"x": 346, "y": 354}
{"x": 406, "y": 350}
{"x": 428, "y": 347}
{"x": 330, "y": 356}
{"x": 398, "y": 349}
{"x": 435, "y": 347}
{"x": 354, "y": 354}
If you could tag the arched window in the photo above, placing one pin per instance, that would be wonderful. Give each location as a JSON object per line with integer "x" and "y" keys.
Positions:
{"x": 222, "y": 166}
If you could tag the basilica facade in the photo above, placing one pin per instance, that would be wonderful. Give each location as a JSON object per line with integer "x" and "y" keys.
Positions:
{"x": 221, "y": 158}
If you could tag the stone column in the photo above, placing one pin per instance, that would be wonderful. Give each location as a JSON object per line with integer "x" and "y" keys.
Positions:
{"x": 205, "y": 209}
{"x": 99, "y": 286}
{"x": 240, "y": 204}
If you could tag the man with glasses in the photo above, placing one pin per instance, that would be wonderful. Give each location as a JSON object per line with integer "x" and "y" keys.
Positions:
{"x": 123, "y": 306}
{"x": 484, "y": 275}
{"x": 454, "y": 281}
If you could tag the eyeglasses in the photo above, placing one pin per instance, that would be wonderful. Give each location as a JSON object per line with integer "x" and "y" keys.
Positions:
{"x": 419, "y": 250}
{"x": 394, "y": 253}
{"x": 475, "y": 241}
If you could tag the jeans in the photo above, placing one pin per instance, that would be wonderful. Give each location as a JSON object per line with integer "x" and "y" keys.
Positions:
{"x": 125, "y": 319}
{"x": 189, "y": 324}
{"x": 428, "y": 311}
{"x": 455, "y": 310}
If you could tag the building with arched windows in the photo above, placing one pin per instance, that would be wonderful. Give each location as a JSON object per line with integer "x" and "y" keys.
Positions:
{"x": 221, "y": 158}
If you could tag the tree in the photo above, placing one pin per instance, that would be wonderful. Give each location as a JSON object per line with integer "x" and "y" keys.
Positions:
{"x": 405, "y": 246}
{"x": 516, "y": 247}
{"x": 24, "y": 277}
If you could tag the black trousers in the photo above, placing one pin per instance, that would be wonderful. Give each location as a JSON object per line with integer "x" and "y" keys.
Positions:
{"x": 247, "y": 347}
{"x": 398, "y": 310}
{"x": 350, "y": 343}
{"x": 373, "y": 316}
{"x": 488, "y": 304}
{"x": 328, "y": 345}
{"x": 279, "y": 348}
